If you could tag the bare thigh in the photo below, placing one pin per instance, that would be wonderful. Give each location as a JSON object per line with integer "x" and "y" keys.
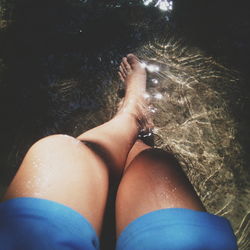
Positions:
{"x": 62, "y": 169}
{"x": 152, "y": 181}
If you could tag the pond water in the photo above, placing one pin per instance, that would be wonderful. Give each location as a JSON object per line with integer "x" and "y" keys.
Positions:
{"x": 58, "y": 66}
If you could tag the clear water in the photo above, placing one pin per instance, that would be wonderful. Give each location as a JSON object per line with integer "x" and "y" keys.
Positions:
{"x": 59, "y": 75}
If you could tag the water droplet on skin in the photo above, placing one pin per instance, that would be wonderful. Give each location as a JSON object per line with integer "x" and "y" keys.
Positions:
{"x": 76, "y": 141}
{"x": 36, "y": 163}
{"x": 28, "y": 184}
{"x": 162, "y": 195}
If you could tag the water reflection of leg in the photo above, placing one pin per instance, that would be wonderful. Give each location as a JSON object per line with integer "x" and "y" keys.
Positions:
{"x": 153, "y": 180}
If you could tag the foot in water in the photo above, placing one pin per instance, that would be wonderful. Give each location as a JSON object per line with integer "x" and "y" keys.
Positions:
{"x": 134, "y": 77}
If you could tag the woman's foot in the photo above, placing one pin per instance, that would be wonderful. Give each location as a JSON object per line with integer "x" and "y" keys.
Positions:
{"x": 133, "y": 74}
{"x": 134, "y": 77}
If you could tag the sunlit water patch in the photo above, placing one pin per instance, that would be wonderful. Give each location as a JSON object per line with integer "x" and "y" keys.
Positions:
{"x": 163, "y": 5}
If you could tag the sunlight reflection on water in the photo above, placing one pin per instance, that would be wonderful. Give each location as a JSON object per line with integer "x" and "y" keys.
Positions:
{"x": 164, "y": 5}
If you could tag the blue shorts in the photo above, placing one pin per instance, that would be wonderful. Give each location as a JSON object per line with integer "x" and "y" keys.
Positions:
{"x": 38, "y": 224}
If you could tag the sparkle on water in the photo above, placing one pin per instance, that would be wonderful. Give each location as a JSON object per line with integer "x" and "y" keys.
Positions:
{"x": 158, "y": 96}
{"x": 147, "y": 2}
{"x": 150, "y": 67}
{"x": 155, "y": 81}
{"x": 164, "y": 5}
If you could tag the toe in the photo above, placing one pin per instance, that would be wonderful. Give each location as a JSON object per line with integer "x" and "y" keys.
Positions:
{"x": 126, "y": 64}
{"x": 133, "y": 60}
{"x": 121, "y": 76}
{"x": 121, "y": 69}
{"x": 124, "y": 68}
{"x": 130, "y": 55}
{"x": 124, "y": 59}
{"x": 123, "y": 73}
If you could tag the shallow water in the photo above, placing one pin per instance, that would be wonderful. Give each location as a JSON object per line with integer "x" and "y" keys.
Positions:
{"x": 58, "y": 75}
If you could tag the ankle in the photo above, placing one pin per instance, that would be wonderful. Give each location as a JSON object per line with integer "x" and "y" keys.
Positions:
{"x": 128, "y": 116}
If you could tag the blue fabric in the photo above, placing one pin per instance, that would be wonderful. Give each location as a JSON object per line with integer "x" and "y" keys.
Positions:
{"x": 178, "y": 229}
{"x": 39, "y": 224}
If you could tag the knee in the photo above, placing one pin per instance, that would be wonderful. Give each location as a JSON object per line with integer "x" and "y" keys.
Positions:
{"x": 56, "y": 139}
{"x": 65, "y": 150}
{"x": 54, "y": 143}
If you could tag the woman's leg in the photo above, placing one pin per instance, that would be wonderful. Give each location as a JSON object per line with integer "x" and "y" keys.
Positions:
{"x": 152, "y": 180}
{"x": 62, "y": 169}
{"x": 114, "y": 139}
{"x": 76, "y": 174}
